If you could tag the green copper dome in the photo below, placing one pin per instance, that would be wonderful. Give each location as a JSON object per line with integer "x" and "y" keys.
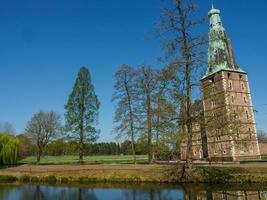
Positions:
{"x": 220, "y": 54}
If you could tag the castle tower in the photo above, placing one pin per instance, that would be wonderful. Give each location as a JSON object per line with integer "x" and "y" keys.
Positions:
{"x": 230, "y": 124}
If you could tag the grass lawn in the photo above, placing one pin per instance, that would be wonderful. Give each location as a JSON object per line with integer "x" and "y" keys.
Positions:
{"x": 264, "y": 158}
{"x": 87, "y": 159}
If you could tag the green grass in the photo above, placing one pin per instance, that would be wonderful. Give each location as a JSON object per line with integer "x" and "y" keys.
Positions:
{"x": 264, "y": 158}
{"x": 87, "y": 159}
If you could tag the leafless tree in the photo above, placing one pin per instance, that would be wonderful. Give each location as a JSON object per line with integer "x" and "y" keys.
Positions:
{"x": 42, "y": 128}
{"x": 146, "y": 86}
{"x": 7, "y": 128}
{"x": 126, "y": 109}
{"x": 186, "y": 52}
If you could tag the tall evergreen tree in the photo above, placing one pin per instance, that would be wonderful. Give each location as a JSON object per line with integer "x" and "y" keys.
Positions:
{"x": 82, "y": 111}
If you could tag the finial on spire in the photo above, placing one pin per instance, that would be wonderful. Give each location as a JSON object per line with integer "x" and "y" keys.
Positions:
{"x": 212, "y": 4}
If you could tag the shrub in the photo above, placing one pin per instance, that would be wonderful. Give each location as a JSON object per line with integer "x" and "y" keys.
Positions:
{"x": 50, "y": 179}
{"x": 34, "y": 179}
{"x": 5, "y": 179}
{"x": 64, "y": 180}
{"x": 24, "y": 178}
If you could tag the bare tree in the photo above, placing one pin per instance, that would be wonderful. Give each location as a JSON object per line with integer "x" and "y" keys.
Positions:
{"x": 42, "y": 128}
{"x": 165, "y": 111}
{"x": 126, "y": 97}
{"x": 146, "y": 86}
{"x": 7, "y": 128}
{"x": 262, "y": 136}
{"x": 186, "y": 51}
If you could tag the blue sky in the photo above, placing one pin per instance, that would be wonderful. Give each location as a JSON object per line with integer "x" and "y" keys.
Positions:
{"x": 44, "y": 43}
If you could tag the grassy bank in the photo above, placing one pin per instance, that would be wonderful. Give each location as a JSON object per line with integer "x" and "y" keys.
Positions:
{"x": 121, "y": 159}
{"x": 116, "y": 173}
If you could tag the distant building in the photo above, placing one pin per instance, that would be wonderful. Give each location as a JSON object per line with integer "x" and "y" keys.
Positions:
{"x": 228, "y": 131}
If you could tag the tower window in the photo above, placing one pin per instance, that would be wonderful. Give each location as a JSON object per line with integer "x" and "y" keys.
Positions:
{"x": 230, "y": 85}
{"x": 245, "y": 100}
{"x": 229, "y": 75}
{"x": 242, "y": 86}
{"x": 232, "y": 98}
{"x": 211, "y": 80}
{"x": 250, "y": 133}
{"x": 240, "y": 77}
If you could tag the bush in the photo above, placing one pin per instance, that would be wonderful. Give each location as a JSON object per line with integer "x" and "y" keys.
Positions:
{"x": 5, "y": 179}
{"x": 34, "y": 179}
{"x": 85, "y": 180}
{"x": 50, "y": 179}
{"x": 25, "y": 178}
{"x": 64, "y": 180}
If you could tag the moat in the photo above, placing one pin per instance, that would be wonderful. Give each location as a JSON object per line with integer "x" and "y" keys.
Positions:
{"x": 131, "y": 192}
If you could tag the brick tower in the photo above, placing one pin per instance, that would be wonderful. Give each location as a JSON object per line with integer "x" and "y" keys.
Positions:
{"x": 228, "y": 111}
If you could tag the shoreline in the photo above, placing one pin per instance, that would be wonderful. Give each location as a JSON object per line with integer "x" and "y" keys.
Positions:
{"x": 127, "y": 173}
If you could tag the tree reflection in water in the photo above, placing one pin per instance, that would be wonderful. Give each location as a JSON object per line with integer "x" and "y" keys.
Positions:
{"x": 37, "y": 192}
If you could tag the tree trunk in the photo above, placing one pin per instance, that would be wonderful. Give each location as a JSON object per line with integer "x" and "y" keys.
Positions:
{"x": 38, "y": 157}
{"x": 131, "y": 122}
{"x": 149, "y": 127}
{"x": 81, "y": 124}
{"x": 81, "y": 147}
{"x": 39, "y": 153}
{"x": 186, "y": 53}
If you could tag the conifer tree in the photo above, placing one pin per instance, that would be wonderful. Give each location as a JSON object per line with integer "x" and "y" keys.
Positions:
{"x": 82, "y": 111}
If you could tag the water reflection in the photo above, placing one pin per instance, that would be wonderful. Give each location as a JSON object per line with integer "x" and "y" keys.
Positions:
{"x": 37, "y": 192}
{"x": 227, "y": 195}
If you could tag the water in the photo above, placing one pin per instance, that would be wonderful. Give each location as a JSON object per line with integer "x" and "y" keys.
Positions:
{"x": 131, "y": 192}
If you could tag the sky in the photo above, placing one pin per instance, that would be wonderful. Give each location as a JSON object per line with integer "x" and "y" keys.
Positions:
{"x": 44, "y": 43}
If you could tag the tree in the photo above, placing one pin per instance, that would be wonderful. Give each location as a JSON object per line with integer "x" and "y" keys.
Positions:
{"x": 82, "y": 111}
{"x": 7, "y": 128}
{"x": 165, "y": 110}
{"x": 185, "y": 51}
{"x": 42, "y": 128}
{"x": 126, "y": 97}
{"x": 146, "y": 86}
{"x": 8, "y": 149}
{"x": 262, "y": 136}
{"x": 25, "y": 148}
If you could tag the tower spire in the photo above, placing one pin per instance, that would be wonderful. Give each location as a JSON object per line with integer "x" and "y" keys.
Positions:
{"x": 212, "y": 4}
{"x": 220, "y": 54}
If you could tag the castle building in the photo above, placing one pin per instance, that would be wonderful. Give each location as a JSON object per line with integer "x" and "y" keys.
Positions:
{"x": 229, "y": 131}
